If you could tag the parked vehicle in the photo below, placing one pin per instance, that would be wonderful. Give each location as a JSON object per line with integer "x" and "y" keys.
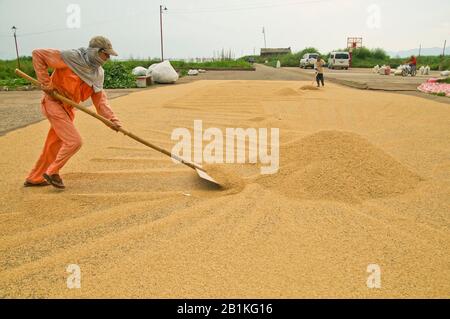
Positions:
{"x": 339, "y": 60}
{"x": 308, "y": 60}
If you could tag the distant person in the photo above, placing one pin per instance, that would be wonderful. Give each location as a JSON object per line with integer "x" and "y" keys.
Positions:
{"x": 78, "y": 75}
{"x": 319, "y": 71}
{"x": 412, "y": 63}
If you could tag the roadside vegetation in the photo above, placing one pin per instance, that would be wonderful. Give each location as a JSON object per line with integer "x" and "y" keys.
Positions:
{"x": 117, "y": 73}
{"x": 361, "y": 58}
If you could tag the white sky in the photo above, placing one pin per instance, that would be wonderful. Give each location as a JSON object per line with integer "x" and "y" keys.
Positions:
{"x": 200, "y": 28}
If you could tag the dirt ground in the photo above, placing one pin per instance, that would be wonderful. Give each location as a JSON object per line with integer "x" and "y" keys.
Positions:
{"x": 363, "y": 179}
{"x": 21, "y": 108}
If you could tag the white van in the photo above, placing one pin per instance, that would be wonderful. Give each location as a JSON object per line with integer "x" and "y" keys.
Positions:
{"x": 339, "y": 60}
{"x": 308, "y": 60}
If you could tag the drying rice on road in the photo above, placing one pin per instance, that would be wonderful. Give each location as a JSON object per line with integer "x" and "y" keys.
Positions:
{"x": 363, "y": 179}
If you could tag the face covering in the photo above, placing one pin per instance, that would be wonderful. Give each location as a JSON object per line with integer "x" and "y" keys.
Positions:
{"x": 86, "y": 63}
{"x": 93, "y": 55}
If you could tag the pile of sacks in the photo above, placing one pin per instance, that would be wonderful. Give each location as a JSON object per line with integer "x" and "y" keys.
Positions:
{"x": 400, "y": 68}
{"x": 384, "y": 70}
{"x": 194, "y": 72}
{"x": 375, "y": 69}
{"x": 160, "y": 72}
{"x": 424, "y": 70}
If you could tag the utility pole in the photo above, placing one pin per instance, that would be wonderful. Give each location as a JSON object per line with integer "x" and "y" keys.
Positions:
{"x": 264, "y": 32}
{"x": 17, "y": 50}
{"x": 161, "y": 9}
{"x": 420, "y": 49}
{"x": 443, "y": 51}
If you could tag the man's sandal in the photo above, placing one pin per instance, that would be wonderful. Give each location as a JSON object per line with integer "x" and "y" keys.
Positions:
{"x": 30, "y": 184}
{"x": 55, "y": 180}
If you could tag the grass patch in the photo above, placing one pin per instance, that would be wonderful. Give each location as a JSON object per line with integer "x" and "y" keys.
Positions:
{"x": 117, "y": 73}
{"x": 7, "y": 68}
{"x": 14, "y": 83}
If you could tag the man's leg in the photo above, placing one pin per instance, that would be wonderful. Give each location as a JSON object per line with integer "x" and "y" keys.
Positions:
{"x": 51, "y": 147}
{"x": 322, "y": 79}
{"x": 67, "y": 133}
{"x": 318, "y": 79}
{"x": 48, "y": 156}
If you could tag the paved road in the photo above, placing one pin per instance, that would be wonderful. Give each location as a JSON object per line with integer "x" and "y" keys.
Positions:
{"x": 22, "y": 108}
{"x": 262, "y": 72}
{"x": 365, "y": 79}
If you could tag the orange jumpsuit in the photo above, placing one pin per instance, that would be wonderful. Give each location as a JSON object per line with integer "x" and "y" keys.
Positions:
{"x": 63, "y": 139}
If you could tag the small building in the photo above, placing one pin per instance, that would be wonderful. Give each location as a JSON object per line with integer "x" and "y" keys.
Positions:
{"x": 275, "y": 51}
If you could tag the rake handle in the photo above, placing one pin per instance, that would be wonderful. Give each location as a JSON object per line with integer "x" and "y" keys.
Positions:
{"x": 108, "y": 122}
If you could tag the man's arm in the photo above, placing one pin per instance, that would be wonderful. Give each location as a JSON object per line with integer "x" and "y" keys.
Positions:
{"x": 44, "y": 59}
{"x": 101, "y": 104}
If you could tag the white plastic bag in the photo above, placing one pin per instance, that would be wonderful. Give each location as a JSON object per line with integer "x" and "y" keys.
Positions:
{"x": 376, "y": 68}
{"x": 427, "y": 70}
{"x": 278, "y": 64}
{"x": 164, "y": 73}
{"x": 150, "y": 69}
{"x": 139, "y": 71}
{"x": 192, "y": 72}
{"x": 445, "y": 73}
{"x": 421, "y": 70}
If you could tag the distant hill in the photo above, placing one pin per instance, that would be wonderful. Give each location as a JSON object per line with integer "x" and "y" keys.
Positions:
{"x": 425, "y": 51}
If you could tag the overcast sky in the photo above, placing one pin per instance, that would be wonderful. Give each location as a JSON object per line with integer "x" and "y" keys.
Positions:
{"x": 199, "y": 28}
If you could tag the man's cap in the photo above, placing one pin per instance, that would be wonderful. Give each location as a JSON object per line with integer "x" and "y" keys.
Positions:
{"x": 102, "y": 43}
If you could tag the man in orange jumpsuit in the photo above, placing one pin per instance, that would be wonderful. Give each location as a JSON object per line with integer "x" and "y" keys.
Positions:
{"x": 78, "y": 75}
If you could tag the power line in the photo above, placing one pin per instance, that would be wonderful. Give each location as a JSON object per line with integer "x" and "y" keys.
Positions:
{"x": 181, "y": 11}
{"x": 229, "y": 9}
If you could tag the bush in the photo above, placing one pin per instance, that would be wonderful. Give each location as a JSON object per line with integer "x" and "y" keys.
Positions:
{"x": 7, "y": 68}
{"x": 118, "y": 76}
{"x": 16, "y": 82}
{"x": 444, "y": 64}
{"x": 379, "y": 54}
{"x": 287, "y": 60}
{"x": 362, "y": 53}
